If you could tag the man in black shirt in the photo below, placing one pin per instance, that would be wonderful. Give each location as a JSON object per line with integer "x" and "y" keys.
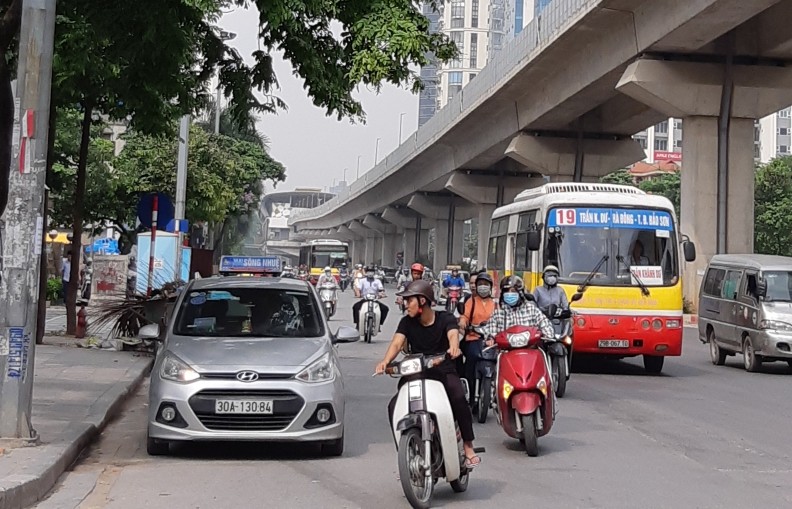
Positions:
{"x": 429, "y": 332}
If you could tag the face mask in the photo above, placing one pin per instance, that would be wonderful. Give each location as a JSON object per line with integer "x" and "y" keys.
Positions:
{"x": 484, "y": 290}
{"x": 511, "y": 298}
{"x": 551, "y": 280}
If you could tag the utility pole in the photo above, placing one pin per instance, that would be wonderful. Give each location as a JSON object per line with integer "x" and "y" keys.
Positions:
{"x": 23, "y": 222}
{"x": 181, "y": 189}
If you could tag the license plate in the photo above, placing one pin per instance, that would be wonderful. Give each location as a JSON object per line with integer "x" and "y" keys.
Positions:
{"x": 236, "y": 406}
{"x": 614, "y": 343}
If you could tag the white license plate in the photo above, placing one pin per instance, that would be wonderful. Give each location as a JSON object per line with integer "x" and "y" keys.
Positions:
{"x": 236, "y": 406}
{"x": 614, "y": 343}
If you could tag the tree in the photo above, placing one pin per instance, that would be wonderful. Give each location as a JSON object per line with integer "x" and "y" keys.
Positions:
{"x": 621, "y": 176}
{"x": 773, "y": 207}
{"x": 10, "y": 20}
{"x": 668, "y": 185}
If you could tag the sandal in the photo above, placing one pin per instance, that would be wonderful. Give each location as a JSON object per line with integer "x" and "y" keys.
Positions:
{"x": 472, "y": 462}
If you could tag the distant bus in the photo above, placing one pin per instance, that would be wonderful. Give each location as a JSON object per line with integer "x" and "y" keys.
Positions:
{"x": 318, "y": 254}
{"x": 619, "y": 243}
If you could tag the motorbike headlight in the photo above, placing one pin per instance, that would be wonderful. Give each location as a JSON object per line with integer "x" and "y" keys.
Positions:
{"x": 321, "y": 370}
{"x": 371, "y": 297}
{"x": 568, "y": 341}
{"x": 519, "y": 340}
{"x": 542, "y": 386}
{"x": 176, "y": 370}
{"x": 410, "y": 367}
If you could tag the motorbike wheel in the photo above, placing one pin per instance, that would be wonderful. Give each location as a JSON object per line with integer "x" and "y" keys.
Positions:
{"x": 327, "y": 310}
{"x": 560, "y": 375}
{"x": 530, "y": 440}
{"x": 484, "y": 401}
{"x": 461, "y": 484}
{"x": 369, "y": 329}
{"x": 416, "y": 485}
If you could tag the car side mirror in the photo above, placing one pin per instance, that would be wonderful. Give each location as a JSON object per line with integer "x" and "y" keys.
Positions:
{"x": 576, "y": 297}
{"x": 150, "y": 331}
{"x": 346, "y": 334}
{"x": 689, "y": 250}
{"x": 534, "y": 240}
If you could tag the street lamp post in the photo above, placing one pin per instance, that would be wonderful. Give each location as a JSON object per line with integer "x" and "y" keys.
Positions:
{"x": 376, "y": 152}
{"x": 224, "y": 36}
{"x": 357, "y": 174}
{"x": 401, "y": 119}
{"x": 345, "y": 180}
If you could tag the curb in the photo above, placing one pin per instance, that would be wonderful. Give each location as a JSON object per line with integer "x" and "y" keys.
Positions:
{"x": 18, "y": 492}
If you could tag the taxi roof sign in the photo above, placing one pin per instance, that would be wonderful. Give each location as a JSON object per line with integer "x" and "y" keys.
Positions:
{"x": 249, "y": 264}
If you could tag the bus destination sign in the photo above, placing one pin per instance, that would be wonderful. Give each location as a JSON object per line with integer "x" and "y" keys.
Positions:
{"x": 588, "y": 217}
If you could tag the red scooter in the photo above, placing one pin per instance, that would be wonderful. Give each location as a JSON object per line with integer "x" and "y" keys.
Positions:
{"x": 524, "y": 392}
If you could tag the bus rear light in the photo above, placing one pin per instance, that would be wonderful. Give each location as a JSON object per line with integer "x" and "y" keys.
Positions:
{"x": 581, "y": 322}
{"x": 661, "y": 348}
{"x": 657, "y": 324}
{"x": 672, "y": 324}
{"x": 645, "y": 324}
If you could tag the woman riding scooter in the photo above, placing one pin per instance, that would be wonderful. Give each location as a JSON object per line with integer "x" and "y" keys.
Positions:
{"x": 477, "y": 310}
{"x": 550, "y": 292}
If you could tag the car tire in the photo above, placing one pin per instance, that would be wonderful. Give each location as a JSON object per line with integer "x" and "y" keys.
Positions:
{"x": 717, "y": 354}
{"x": 333, "y": 448}
{"x": 156, "y": 447}
{"x": 751, "y": 360}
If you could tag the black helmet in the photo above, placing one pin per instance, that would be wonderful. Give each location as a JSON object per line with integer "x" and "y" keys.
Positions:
{"x": 484, "y": 276}
{"x": 511, "y": 283}
{"x": 417, "y": 288}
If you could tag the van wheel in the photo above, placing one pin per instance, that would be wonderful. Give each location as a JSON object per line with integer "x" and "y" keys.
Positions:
{"x": 653, "y": 364}
{"x": 716, "y": 353}
{"x": 751, "y": 360}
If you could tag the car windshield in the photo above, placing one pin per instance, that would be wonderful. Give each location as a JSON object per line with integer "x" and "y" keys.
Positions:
{"x": 249, "y": 312}
{"x": 779, "y": 285}
{"x": 636, "y": 242}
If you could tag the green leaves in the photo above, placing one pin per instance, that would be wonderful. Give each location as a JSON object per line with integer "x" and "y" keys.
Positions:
{"x": 773, "y": 207}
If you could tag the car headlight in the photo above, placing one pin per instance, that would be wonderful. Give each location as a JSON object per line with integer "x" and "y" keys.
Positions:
{"x": 176, "y": 370}
{"x": 410, "y": 367}
{"x": 321, "y": 370}
{"x": 776, "y": 325}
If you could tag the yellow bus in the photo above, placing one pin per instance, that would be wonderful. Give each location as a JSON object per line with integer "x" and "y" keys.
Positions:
{"x": 617, "y": 245}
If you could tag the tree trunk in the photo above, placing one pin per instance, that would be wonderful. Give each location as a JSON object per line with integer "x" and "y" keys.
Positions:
{"x": 41, "y": 322}
{"x": 9, "y": 28}
{"x": 77, "y": 225}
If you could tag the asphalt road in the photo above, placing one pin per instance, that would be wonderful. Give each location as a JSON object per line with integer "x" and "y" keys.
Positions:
{"x": 698, "y": 436}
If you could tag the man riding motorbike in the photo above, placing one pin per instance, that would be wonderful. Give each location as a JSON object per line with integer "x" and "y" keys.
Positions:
{"x": 454, "y": 279}
{"x": 343, "y": 275}
{"x": 516, "y": 309}
{"x": 326, "y": 277}
{"x": 550, "y": 292}
{"x": 477, "y": 310}
{"x": 430, "y": 332}
{"x": 369, "y": 286}
{"x": 416, "y": 273}
{"x": 359, "y": 275}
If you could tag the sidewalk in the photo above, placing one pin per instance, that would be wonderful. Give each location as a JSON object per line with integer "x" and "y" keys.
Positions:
{"x": 76, "y": 392}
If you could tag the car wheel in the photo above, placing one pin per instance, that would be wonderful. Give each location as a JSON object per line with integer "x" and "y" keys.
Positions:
{"x": 156, "y": 447}
{"x": 717, "y": 354}
{"x": 751, "y": 360}
{"x": 333, "y": 447}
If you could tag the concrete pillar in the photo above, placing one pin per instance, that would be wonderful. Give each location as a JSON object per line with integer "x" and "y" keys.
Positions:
{"x": 389, "y": 248}
{"x": 458, "y": 244}
{"x": 484, "y": 224}
{"x": 369, "y": 250}
{"x": 354, "y": 251}
{"x": 409, "y": 246}
{"x": 441, "y": 245}
{"x": 699, "y": 199}
{"x": 423, "y": 245}
{"x": 377, "y": 256}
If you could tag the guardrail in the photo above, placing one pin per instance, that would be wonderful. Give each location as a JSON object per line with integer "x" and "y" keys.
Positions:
{"x": 553, "y": 21}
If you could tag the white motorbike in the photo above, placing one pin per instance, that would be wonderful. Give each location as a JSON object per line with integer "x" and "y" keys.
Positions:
{"x": 429, "y": 443}
{"x": 369, "y": 318}
{"x": 328, "y": 294}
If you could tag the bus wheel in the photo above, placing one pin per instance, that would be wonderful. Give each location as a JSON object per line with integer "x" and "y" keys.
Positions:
{"x": 653, "y": 364}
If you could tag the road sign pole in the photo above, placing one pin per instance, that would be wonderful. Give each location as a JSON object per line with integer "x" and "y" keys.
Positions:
{"x": 181, "y": 187}
{"x": 152, "y": 244}
{"x": 22, "y": 222}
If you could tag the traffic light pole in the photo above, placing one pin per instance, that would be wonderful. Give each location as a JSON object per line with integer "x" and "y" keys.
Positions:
{"x": 22, "y": 225}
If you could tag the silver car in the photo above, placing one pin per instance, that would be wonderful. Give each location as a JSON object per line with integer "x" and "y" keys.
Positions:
{"x": 247, "y": 359}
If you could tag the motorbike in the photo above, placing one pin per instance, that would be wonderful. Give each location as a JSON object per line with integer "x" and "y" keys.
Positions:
{"x": 343, "y": 281}
{"x": 369, "y": 318}
{"x": 328, "y": 293}
{"x": 561, "y": 350}
{"x": 429, "y": 444}
{"x": 484, "y": 389}
{"x": 454, "y": 294}
{"x": 525, "y": 403}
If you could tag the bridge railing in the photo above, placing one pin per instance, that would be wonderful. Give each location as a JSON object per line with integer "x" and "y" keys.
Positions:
{"x": 553, "y": 21}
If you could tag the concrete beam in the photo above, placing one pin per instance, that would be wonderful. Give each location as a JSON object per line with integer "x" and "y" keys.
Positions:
{"x": 767, "y": 35}
{"x": 360, "y": 230}
{"x": 683, "y": 89}
{"x": 346, "y": 232}
{"x": 401, "y": 217}
{"x": 556, "y": 156}
{"x": 439, "y": 207}
{"x": 376, "y": 223}
{"x": 483, "y": 189}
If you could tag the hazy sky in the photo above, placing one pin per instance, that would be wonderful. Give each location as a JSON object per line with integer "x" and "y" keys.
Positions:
{"x": 315, "y": 148}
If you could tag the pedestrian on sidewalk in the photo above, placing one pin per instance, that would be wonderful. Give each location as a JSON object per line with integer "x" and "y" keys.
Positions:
{"x": 65, "y": 275}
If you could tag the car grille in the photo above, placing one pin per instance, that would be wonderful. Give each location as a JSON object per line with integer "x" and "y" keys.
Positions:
{"x": 233, "y": 376}
{"x": 286, "y": 406}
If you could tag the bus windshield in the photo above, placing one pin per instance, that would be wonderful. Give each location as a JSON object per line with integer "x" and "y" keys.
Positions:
{"x": 328, "y": 257}
{"x": 640, "y": 246}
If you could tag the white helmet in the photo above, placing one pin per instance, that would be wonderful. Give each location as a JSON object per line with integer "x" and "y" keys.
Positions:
{"x": 327, "y": 269}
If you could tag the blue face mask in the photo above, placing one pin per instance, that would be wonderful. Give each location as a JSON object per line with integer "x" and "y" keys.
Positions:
{"x": 511, "y": 298}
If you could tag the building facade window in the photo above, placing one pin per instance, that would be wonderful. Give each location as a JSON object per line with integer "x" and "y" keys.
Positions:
{"x": 783, "y": 149}
{"x": 457, "y": 14}
{"x": 784, "y": 113}
{"x": 662, "y": 127}
{"x": 783, "y": 131}
{"x": 455, "y": 78}
{"x": 458, "y": 38}
{"x": 474, "y": 17}
{"x": 474, "y": 51}
{"x": 471, "y": 76}
{"x": 661, "y": 144}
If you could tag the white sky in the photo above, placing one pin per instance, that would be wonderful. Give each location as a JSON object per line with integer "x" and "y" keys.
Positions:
{"x": 315, "y": 148}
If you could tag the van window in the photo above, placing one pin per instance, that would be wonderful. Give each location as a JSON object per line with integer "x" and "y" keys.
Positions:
{"x": 714, "y": 282}
{"x": 730, "y": 284}
{"x": 749, "y": 287}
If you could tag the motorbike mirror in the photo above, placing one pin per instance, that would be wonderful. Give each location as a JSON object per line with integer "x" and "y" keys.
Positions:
{"x": 346, "y": 335}
{"x": 577, "y": 297}
{"x": 552, "y": 310}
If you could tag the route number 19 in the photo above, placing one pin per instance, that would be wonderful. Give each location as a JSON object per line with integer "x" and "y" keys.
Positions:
{"x": 566, "y": 217}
